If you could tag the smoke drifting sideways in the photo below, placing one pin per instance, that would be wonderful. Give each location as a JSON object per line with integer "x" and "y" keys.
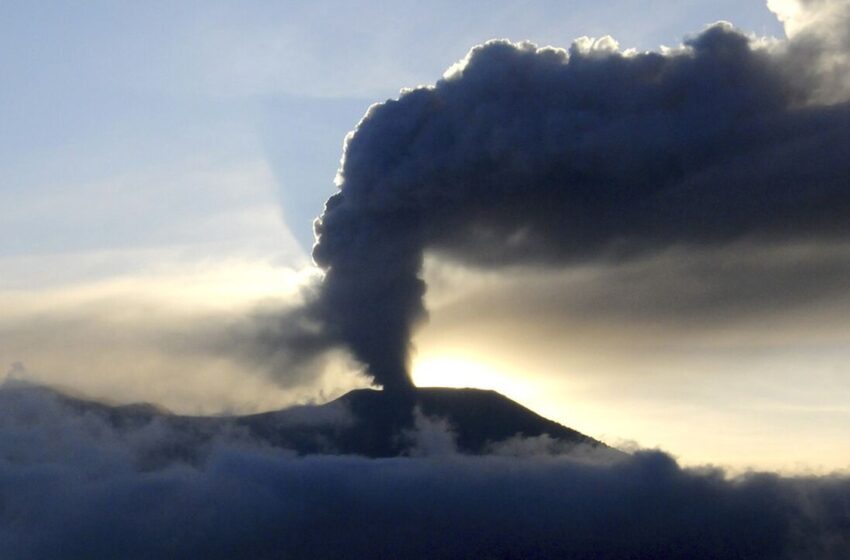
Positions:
{"x": 74, "y": 485}
{"x": 544, "y": 157}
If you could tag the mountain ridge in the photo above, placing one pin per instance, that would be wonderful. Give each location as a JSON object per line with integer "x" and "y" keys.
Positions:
{"x": 368, "y": 422}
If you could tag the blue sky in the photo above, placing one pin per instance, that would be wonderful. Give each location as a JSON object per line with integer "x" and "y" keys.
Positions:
{"x": 161, "y": 164}
{"x": 111, "y": 110}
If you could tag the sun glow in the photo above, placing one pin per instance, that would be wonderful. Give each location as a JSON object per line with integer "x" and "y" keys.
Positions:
{"x": 453, "y": 370}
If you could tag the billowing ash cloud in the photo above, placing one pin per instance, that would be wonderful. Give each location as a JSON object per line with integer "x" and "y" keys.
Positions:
{"x": 73, "y": 486}
{"x": 546, "y": 157}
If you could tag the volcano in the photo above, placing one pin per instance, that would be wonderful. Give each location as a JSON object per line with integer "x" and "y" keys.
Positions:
{"x": 479, "y": 419}
{"x": 366, "y": 422}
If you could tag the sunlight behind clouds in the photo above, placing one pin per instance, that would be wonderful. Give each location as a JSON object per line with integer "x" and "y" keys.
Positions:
{"x": 721, "y": 357}
{"x": 453, "y": 368}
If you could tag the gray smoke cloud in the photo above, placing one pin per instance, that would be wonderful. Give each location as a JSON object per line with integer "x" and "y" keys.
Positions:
{"x": 544, "y": 157}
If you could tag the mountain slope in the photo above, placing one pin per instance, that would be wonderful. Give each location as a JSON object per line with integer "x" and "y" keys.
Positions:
{"x": 363, "y": 422}
{"x": 478, "y": 418}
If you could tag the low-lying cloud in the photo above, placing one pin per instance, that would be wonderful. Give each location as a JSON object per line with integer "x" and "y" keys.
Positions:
{"x": 71, "y": 486}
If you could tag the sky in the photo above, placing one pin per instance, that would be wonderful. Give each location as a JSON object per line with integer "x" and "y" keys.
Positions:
{"x": 162, "y": 165}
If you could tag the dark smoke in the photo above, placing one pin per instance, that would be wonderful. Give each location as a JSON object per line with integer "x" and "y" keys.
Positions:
{"x": 547, "y": 157}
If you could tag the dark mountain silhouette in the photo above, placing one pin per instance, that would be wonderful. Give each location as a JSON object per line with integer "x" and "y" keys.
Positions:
{"x": 478, "y": 418}
{"x": 363, "y": 422}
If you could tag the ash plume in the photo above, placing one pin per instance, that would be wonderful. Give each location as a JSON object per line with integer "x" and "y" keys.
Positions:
{"x": 543, "y": 157}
